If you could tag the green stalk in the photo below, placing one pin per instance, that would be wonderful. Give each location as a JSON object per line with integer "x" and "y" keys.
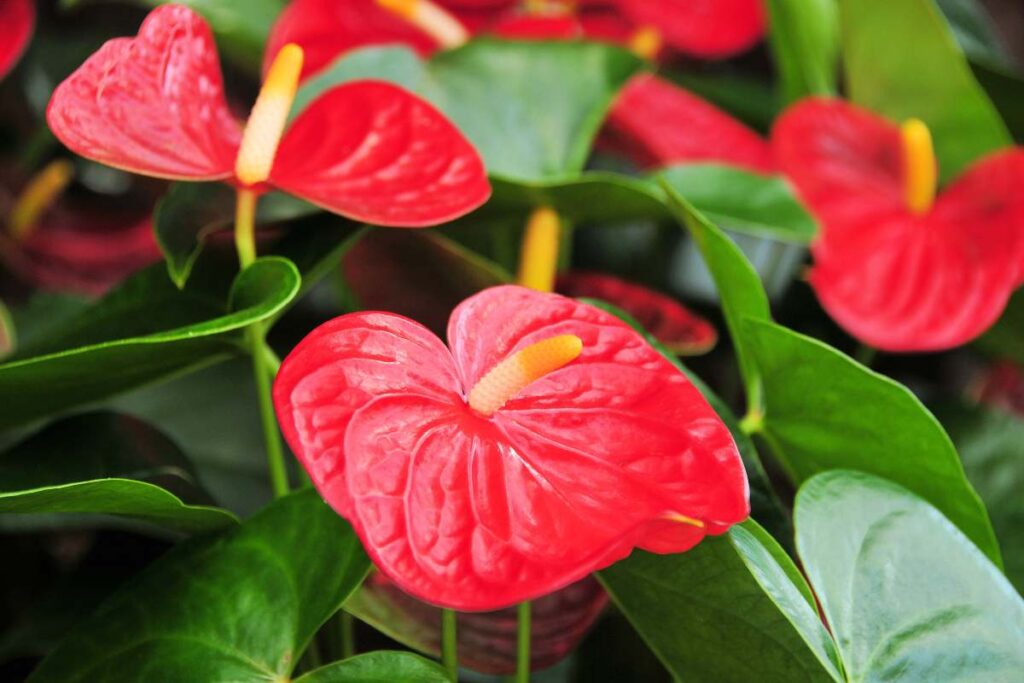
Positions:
{"x": 523, "y": 644}
{"x": 449, "y": 655}
{"x": 262, "y": 365}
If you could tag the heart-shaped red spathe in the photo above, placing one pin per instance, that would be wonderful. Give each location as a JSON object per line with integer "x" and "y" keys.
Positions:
{"x": 17, "y": 18}
{"x": 656, "y": 123}
{"x": 896, "y": 280}
{"x": 370, "y": 151}
{"x": 153, "y": 104}
{"x": 478, "y": 513}
{"x": 681, "y": 330}
{"x": 373, "y": 151}
{"x": 703, "y": 28}
{"x": 326, "y": 29}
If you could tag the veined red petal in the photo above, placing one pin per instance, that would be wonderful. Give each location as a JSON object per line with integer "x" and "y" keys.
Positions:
{"x": 656, "y": 123}
{"x": 17, "y": 18}
{"x": 153, "y": 104}
{"x": 326, "y": 29}
{"x": 538, "y": 27}
{"x": 678, "y": 328}
{"x": 339, "y": 368}
{"x": 704, "y": 28}
{"x": 845, "y": 161}
{"x": 580, "y": 467}
{"x": 376, "y": 153}
{"x": 896, "y": 280}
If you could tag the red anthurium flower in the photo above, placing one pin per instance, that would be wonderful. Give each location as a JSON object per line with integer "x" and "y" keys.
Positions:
{"x": 656, "y": 123}
{"x": 546, "y": 444}
{"x": 703, "y": 28}
{"x": 678, "y": 328}
{"x": 368, "y": 150}
{"x": 60, "y": 243}
{"x": 487, "y": 640}
{"x": 16, "y": 20}
{"x": 326, "y": 29}
{"x": 896, "y": 266}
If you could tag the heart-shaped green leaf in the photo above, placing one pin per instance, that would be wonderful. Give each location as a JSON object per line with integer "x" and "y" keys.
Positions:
{"x": 107, "y": 464}
{"x": 550, "y": 97}
{"x": 738, "y": 200}
{"x": 906, "y": 594}
{"x": 805, "y": 45}
{"x": 734, "y": 608}
{"x": 239, "y": 606}
{"x": 932, "y": 82}
{"x": 379, "y": 667}
{"x": 825, "y": 411}
{"x": 145, "y": 330}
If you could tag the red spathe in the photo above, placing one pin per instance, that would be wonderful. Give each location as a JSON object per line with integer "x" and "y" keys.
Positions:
{"x": 154, "y": 105}
{"x": 894, "y": 279}
{"x": 478, "y": 513}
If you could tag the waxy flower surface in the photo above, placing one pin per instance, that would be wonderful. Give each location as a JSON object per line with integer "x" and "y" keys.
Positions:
{"x": 896, "y": 265}
{"x": 656, "y": 123}
{"x": 368, "y": 150}
{"x": 547, "y": 443}
{"x": 17, "y": 18}
{"x": 703, "y": 28}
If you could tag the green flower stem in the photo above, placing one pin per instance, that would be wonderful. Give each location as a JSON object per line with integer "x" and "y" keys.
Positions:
{"x": 262, "y": 358}
{"x": 523, "y": 644}
{"x": 449, "y": 655}
{"x": 348, "y": 635}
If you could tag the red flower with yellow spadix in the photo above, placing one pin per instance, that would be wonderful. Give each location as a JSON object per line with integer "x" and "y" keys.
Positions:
{"x": 17, "y": 18}
{"x": 545, "y": 444}
{"x": 899, "y": 267}
{"x": 154, "y": 105}
{"x": 703, "y": 28}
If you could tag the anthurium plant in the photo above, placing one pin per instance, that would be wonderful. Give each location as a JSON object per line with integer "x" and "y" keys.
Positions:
{"x": 423, "y": 341}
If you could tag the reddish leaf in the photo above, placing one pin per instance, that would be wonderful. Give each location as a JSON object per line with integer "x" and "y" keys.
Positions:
{"x": 487, "y": 640}
{"x": 82, "y": 252}
{"x": 678, "y": 328}
{"x": 656, "y": 123}
{"x": 897, "y": 280}
{"x": 475, "y": 512}
{"x": 705, "y": 28}
{"x": 17, "y": 18}
{"x": 153, "y": 104}
{"x": 326, "y": 29}
{"x": 374, "y": 152}
{"x": 1002, "y": 385}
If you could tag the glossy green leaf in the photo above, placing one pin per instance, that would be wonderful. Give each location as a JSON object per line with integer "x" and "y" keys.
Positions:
{"x": 906, "y": 594}
{"x": 737, "y": 593}
{"x": 932, "y": 82}
{"x": 991, "y": 446}
{"x": 549, "y": 97}
{"x": 192, "y": 410}
{"x": 734, "y": 199}
{"x": 805, "y": 44}
{"x": 241, "y": 28}
{"x": 379, "y": 667}
{"x": 144, "y": 331}
{"x": 239, "y": 606}
{"x": 739, "y": 286}
{"x": 824, "y": 411}
{"x": 110, "y": 464}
